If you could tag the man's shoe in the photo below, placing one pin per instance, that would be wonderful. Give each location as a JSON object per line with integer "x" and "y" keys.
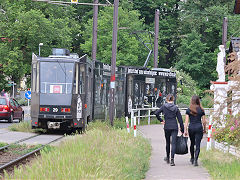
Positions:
{"x": 166, "y": 159}
{"x": 172, "y": 162}
{"x": 195, "y": 163}
{"x": 192, "y": 160}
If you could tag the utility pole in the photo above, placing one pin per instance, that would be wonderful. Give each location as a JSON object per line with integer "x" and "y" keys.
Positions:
{"x": 156, "y": 38}
{"x": 224, "y": 34}
{"x": 113, "y": 62}
{"x": 94, "y": 33}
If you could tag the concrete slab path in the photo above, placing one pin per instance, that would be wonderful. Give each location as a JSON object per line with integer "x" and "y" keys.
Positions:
{"x": 159, "y": 169}
{"x": 7, "y": 136}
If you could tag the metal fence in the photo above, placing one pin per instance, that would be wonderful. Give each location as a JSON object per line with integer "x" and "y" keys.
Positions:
{"x": 146, "y": 113}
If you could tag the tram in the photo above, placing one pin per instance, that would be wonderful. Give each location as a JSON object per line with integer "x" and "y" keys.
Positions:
{"x": 102, "y": 74}
{"x": 61, "y": 91}
{"x": 148, "y": 88}
{"x": 69, "y": 91}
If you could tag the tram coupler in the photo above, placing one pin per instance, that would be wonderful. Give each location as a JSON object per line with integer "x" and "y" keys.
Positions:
{"x": 53, "y": 125}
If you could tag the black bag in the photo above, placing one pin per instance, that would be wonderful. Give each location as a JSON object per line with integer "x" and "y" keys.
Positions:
{"x": 181, "y": 146}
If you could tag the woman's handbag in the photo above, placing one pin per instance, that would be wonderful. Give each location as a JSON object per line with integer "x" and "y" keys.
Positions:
{"x": 181, "y": 146}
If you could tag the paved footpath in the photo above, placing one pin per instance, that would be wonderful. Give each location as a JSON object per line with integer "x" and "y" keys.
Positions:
{"x": 159, "y": 169}
{"x": 7, "y": 136}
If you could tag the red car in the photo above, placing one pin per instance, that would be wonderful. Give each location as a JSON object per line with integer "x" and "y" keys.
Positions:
{"x": 10, "y": 109}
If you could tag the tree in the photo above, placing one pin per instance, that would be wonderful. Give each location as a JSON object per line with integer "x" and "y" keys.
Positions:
{"x": 195, "y": 60}
{"x": 186, "y": 88}
{"x": 130, "y": 51}
{"x": 168, "y": 26}
{"x": 24, "y": 25}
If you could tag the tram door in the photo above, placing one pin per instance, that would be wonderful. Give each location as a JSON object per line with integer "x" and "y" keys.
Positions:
{"x": 88, "y": 105}
{"x": 161, "y": 91}
{"x": 84, "y": 89}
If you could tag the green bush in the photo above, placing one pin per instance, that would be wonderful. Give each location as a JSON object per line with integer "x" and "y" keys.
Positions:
{"x": 207, "y": 101}
{"x": 186, "y": 88}
{"x": 183, "y": 101}
{"x": 22, "y": 101}
{"x": 230, "y": 133}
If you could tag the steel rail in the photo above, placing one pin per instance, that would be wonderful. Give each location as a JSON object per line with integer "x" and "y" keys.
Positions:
{"x": 26, "y": 155}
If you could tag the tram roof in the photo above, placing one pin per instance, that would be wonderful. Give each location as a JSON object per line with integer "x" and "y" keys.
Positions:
{"x": 57, "y": 58}
{"x": 71, "y": 58}
{"x": 148, "y": 69}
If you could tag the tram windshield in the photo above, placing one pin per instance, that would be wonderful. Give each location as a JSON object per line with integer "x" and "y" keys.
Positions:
{"x": 56, "y": 77}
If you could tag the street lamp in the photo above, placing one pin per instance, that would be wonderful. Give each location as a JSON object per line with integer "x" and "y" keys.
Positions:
{"x": 40, "y": 44}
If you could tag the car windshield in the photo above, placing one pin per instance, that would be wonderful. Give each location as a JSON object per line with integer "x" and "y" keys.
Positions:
{"x": 3, "y": 101}
{"x": 56, "y": 77}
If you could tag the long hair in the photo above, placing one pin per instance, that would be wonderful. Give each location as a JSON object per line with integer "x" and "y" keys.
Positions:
{"x": 194, "y": 104}
{"x": 170, "y": 97}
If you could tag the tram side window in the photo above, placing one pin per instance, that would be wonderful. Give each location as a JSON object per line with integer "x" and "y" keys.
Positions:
{"x": 37, "y": 77}
{"x": 76, "y": 76}
{"x": 81, "y": 79}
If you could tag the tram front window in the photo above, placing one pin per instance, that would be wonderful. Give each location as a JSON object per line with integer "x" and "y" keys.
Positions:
{"x": 56, "y": 77}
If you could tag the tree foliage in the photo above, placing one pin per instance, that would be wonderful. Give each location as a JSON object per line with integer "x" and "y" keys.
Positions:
{"x": 189, "y": 33}
{"x": 195, "y": 60}
{"x": 24, "y": 24}
{"x": 130, "y": 51}
{"x": 168, "y": 26}
{"x": 186, "y": 88}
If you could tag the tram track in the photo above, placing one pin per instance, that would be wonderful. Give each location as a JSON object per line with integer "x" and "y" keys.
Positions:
{"x": 7, "y": 162}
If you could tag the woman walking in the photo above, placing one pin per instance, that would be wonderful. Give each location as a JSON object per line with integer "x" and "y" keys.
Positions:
{"x": 196, "y": 128}
{"x": 171, "y": 112}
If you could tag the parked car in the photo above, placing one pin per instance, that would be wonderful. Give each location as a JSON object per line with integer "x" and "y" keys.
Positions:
{"x": 10, "y": 109}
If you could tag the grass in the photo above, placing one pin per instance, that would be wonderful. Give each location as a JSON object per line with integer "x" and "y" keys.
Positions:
{"x": 121, "y": 123}
{"x": 24, "y": 126}
{"x": 3, "y": 144}
{"x": 22, "y": 149}
{"x": 220, "y": 165}
{"x": 102, "y": 153}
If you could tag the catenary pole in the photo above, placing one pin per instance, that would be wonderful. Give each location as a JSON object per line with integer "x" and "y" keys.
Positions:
{"x": 94, "y": 33}
{"x": 224, "y": 34}
{"x": 113, "y": 62}
{"x": 156, "y": 38}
